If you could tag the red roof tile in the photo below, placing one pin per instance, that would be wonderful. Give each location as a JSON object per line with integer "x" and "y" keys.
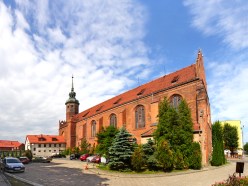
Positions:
{"x": 45, "y": 139}
{"x": 7, "y": 143}
{"x": 165, "y": 82}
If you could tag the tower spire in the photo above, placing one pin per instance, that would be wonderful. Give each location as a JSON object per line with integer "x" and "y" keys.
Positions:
{"x": 72, "y": 94}
{"x": 72, "y": 88}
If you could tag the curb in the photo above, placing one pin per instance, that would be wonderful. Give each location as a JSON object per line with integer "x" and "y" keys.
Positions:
{"x": 5, "y": 179}
{"x": 126, "y": 175}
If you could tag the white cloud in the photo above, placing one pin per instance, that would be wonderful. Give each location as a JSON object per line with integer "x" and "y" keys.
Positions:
{"x": 227, "y": 19}
{"x": 227, "y": 71}
{"x": 44, "y": 42}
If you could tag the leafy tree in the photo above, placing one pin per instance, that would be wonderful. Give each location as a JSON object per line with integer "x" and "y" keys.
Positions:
{"x": 164, "y": 155}
{"x": 218, "y": 156}
{"x": 28, "y": 154}
{"x": 138, "y": 159}
{"x": 84, "y": 147}
{"x": 246, "y": 147}
{"x": 230, "y": 137}
{"x": 121, "y": 151}
{"x": 105, "y": 139}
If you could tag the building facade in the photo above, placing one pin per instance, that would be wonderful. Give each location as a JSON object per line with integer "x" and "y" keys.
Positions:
{"x": 45, "y": 145}
{"x": 137, "y": 109}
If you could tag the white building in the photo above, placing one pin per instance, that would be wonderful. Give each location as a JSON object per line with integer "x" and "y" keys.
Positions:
{"x": 45, "y": 145}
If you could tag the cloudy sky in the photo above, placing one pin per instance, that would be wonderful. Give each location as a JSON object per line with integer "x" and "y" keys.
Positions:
{"x": 111, "y": 46}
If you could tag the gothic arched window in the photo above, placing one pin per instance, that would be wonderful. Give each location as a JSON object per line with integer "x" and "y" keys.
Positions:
{"x": 93, "y": 128}
{"x": 113, "y": 120}
{"x": 139, "y": 116}
{"x": 175, "y": 100}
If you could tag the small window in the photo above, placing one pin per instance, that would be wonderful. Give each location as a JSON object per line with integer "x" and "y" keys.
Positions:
{"x": 39, "y": 145}
{"x": 54, "y": 150}
{"x": 44, "y": 145}
{"x": 34, "y": 149}
{"x": 44, "y": 150}
{"x": 140, "y": 117}
{"x": 93, "y": 128}
{"x": 49, "y": 150}
{"x": 38, "y": 150}
{"x": 50, "y": 145}
{"x": 59, "y": 145}
{"x": 113, "y": 120}
{"x": 55, "y": 145}
{"x": 175, "y": 100}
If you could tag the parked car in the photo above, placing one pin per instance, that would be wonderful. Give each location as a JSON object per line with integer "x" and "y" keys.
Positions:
{"x": 96, "y": 159}
{"x": 88, "y": 159}
{"x": 58, "y": 156}
{"x": 42, "y": 159}
{"x": 24, "y": 160}
{"x": 10, "y": 164}
{"x": 84, "y": 157}
{"x": 74, "y": 156}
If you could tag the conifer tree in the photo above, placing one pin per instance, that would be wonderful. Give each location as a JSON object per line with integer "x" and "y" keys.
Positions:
{"x": 84, "y": 147}
{"x": 121, "y": 151}
{"x": 218, "y": 157}
{"x": 138, "y": 159}
{"x": 164, "y": 155}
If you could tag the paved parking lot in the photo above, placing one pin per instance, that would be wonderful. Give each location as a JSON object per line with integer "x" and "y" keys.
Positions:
{"x": 65, "y": 172}
{"x": 59, "y": 173}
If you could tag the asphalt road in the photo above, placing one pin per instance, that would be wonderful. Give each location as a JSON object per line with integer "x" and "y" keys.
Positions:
{"x": 65, "y": 172}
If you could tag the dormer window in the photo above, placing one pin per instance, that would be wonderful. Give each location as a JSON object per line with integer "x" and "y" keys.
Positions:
{"x": 86, "y": 114}
{"x": 41, "y": 139}
{"x": 141, "y": 92}
{"x": 175, "y": 79}
{"x": 97, "y": 110}
{"x": 117, "y": 101}
{"x": 54, "y": 139}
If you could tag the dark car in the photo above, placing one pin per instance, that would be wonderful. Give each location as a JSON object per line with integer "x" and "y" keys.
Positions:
{"x": 58, "y": 156}
{"x": 11, "y": 164}
{"x": 42, "y": 159}
{"x": 24, "y": 160}
{"x": 74, "y": 156}
{"x": 84, "y": 157}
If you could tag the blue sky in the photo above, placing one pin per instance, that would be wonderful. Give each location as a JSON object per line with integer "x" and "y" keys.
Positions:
{"x": 111, "y": 46}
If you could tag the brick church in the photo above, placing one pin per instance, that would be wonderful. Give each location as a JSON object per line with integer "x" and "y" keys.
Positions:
{"x": 137, "y": 109}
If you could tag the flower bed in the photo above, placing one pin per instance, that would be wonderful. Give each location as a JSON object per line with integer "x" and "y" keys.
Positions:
{"x": 233, "y": 180}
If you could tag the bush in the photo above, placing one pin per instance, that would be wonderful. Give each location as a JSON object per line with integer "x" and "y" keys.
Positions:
{"x": 138, "y": 159}
{"x": 195, "y": 158}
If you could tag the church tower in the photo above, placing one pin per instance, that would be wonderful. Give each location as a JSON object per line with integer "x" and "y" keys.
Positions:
{"x": 72, "y": 104}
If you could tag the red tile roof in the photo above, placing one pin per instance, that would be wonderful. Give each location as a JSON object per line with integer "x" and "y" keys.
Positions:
{"x": 184, "y": 75}
{"x": 10, "y": 144}
{"x": 45, "y": 139}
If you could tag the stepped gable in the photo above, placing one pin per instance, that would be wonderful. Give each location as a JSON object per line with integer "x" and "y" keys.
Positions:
{"x": 165, "y": 82}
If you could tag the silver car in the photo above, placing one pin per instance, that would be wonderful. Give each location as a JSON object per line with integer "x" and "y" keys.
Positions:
{"x": 11, "y": 164}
